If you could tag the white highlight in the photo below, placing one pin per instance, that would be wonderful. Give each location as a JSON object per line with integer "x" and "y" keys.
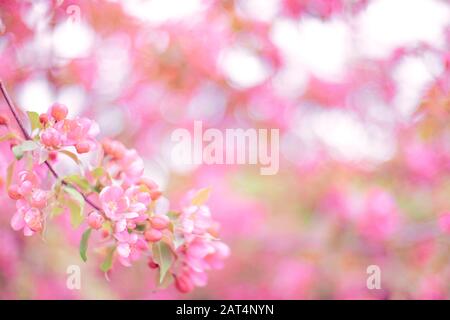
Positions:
{"x": 388, "y": 24}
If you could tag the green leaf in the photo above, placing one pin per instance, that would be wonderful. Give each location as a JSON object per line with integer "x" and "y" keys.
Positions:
{"x": 84, "y": 244}
{"x": 25, "y": 146}
{"x": 79, "y": 181}
{"x": 166, "y": 282}
{"x": 9, "y": 173}
{"x": 75, "y": 205}
{"x": 201, "y": 197}
{"x": 18, "y": 152}
{"x": 162, "y": 255}
{"x": 76, "y": 213}
{"x": 107, "y": 263}
{"x": 56, "y": 211}
{"x": 34, "y": 120}
{"x": 28, "y": 145}
{"x": 71, "y": 155}
{"x": 74, "y": 194}
{"x": 8, "y": 136}
{"x": 97, "y": 173}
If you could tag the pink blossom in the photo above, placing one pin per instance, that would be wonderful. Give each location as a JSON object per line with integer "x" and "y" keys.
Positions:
{"x": 130, "y": 247}
{"x": 114, "y": 202}
{"x": 444, "y": 222}
{"x": 58, "y": 111}
{"x": 139, "y": 200}
{"x": 27, "y": 218}
{"x": 380, "y": 217}
{"x": 95, "y": 220}
{"x": 132, "y": 166}
{"x": 51, "y": 138}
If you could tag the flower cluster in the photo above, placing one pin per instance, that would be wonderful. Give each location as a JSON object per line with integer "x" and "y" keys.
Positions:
{"x": 61, "y": 132}
{"x": 31, "y": 200}
{"x": 128, "y": 209}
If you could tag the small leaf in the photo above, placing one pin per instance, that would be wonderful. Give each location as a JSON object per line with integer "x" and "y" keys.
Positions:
{"x": 201, "y": 197}
{"x": 76, "y": 213}
{"x": 97, "y": 173}
{"x": 28, "y": 145}
{"x": 75, "y": 205}
{"x": 74, "y": 194}
{"x": 34, "y": 120}
{"x": 8, "y": 136}
{"x": 107, "y": 263}
{"x": 71, "y": 155}
{"x": 56, "y": 211}
{"x": 18, "y": 152}
{"x": 25, "y": 146}
{"x": 9, "y": 173}
{"x": 84, "y": 244}
{"x": 162, "y": 255}
{"x": 79, "y": 181}
{"x": 166, "y": 282}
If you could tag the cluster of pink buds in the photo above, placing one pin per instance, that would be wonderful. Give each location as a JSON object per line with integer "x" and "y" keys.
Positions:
{"x": 60, "y": 132}
{"x": 112, "y": 197}
{"x": 31, "y": 200}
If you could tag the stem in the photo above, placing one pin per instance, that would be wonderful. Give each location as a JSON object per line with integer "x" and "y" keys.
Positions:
{"x": 28, "y": 137}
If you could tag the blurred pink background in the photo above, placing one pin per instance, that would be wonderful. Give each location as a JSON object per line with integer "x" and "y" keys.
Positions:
{"x": 360, "y": 90}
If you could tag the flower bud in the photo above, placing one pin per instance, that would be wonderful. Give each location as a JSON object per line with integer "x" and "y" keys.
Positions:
{"x": 152, "y": 264}
{"x": 155, "y": 194}
{"x": 184, "y": 284}
{"x": 43, "y": 118}
{"x": 4, "y": 121}
{"x": 38, "y": 199}
{"x": 95, "y": 220}
{"x": 83, "y": 147}
{"x": 153, "y": 235}
{"x": 13, "y": 192}
{"x": 105, "y": 233}
{"x": 160, "y": 222}
{"x": 33, "y": 219}
{"x": 25, "y": 188}
{"x": 58, "y": 111}
{"x": 51, "y": 138}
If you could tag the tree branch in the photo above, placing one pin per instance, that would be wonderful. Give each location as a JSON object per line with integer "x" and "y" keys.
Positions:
{"x": 28, "y": 137}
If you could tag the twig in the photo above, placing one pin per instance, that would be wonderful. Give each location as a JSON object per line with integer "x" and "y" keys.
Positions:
{"x": 28, "y": 137}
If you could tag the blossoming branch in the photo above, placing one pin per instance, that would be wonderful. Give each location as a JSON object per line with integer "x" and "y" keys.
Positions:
{"x": 111, "y": 194}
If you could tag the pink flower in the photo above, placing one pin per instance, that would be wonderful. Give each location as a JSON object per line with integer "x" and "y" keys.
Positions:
{"x": 95, "y": 220}
{"x": 27, "y": 218}
{"x": 184, "y": 283}
{"x": 130, "y": 247}
{"x": 153, "y": 235}
{"x": 114, "y": 202}
{"x": 51, "y": 138}
{"x": 444, "y": 222}
{"x": 219, "y": 252}
{"x": 380, "y": 218}
{"x": 58, "y": 111}
{"x": 27, "y": 182}
{"x": 79, "y": 132}
{"x": 132, "y": 166}
{"x": 39, "y": 198}
{"x": 159, "y": 222}
{"x": 139, "y": 200}
{"x": 195, "y": 220}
